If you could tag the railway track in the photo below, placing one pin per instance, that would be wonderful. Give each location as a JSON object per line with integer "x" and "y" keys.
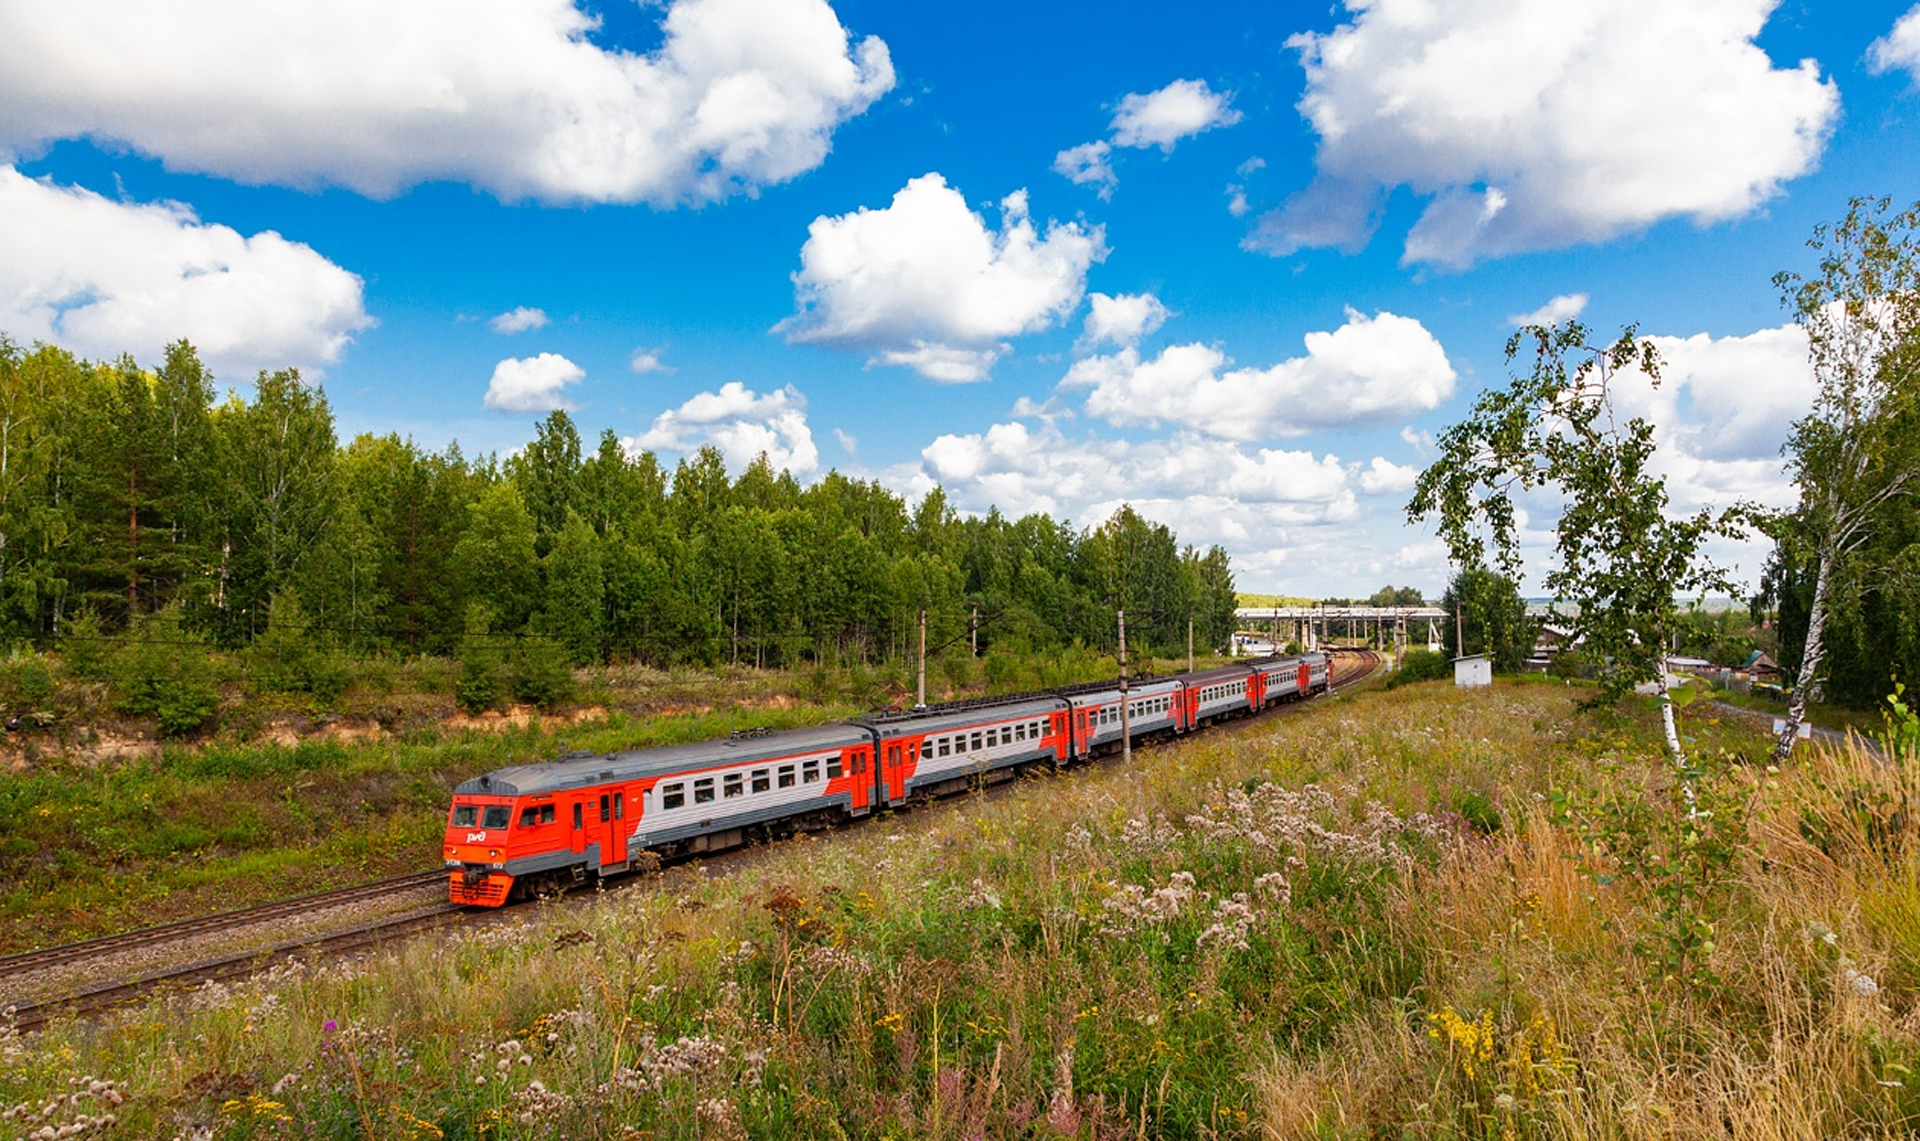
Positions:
{"x": 1351, "y": 666}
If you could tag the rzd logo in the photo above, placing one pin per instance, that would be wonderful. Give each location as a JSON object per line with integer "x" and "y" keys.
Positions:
{"x": 476, "y": 837}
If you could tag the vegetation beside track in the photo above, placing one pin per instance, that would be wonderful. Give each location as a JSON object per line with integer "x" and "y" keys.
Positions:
{"x": 1423, "y": 912}
{"x": 285, "y": 801}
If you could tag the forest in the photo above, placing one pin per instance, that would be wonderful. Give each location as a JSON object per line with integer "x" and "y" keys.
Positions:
{"x": 135, "y": 504}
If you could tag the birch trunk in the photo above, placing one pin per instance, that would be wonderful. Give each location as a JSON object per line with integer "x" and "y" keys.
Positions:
{"x": 1666, "y": 714}
{"x": 1807, "y": 686}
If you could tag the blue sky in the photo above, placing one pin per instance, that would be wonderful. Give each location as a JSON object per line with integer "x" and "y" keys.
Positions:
{"x": 1235, "y": 264}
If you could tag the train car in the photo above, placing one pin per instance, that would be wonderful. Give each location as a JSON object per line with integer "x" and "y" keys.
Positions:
{"x": 1287, "y": 679}
{"x": 527, "y": 828}
{"x": 931, "y": 752}
{"x": 1153, "y": 707}
{"x": 1210, "y": 695}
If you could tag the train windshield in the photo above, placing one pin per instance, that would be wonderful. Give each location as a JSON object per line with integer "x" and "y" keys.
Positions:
{"x": 497, "y": 816}
{"x": 464, "y": 815}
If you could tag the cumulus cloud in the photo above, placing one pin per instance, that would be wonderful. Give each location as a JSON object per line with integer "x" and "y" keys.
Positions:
{"x": 1384, "y": 477}
{"x": 377, "y": 97}
{"x": 1565, "y": 307}
{"x": 740, "y": 422}
{"x": 1209, "y": 492}
{"x": 1089, "y": 164}
{"x": 102, "y": 278}
{"x": 519, "y": 320}
{"x": 1121, "y": 320}
{"x": 1537, "y": 124}
{"x": 1369, "y": 370}
{"x": 648, "y": 361}
{"x": 923, "y": 282}
{"x": 531, "y": 384}
{"x": 1899, "y": 49}
{"x": 1162, "y": 118}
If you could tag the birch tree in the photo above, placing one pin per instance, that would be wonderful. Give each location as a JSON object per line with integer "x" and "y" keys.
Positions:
{"x": 1620, "y": 556}
{"x": 1861, "y": 314}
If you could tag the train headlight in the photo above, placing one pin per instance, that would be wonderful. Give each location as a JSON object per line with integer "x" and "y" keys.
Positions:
{"x": 493, "y": 853}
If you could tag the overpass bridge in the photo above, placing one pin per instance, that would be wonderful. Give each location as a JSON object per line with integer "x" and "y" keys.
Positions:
{"x": 1310, "y": 626}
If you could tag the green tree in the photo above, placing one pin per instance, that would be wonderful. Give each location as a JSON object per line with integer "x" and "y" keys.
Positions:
{"x": 573, "y": 607}
{"x": 278, "y": 453}
{"x": 1493, "y": 619}
{"x": 1853, "y": 453}
{"x": 495, "y": 556}
{"x": 162, "y": 668}
{"x": 1620, "y": 558}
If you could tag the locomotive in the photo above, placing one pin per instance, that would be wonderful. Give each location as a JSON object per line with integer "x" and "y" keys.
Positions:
{"x": 527, "y": 829}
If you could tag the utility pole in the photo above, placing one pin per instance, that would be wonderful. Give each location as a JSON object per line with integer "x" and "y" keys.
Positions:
{"x": 920, "y": 676}
{"x": 1459, "y": 631}
{"x": 973, "y": 631}
{"x": 1189, "y": 641}
{"x": 1126, "y": 719}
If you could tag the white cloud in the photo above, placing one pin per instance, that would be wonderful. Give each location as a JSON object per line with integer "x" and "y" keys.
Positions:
{"x": 103, "y": 278}
{"x": 742, "y": 424}
{"x": 375, "y": 96}
{"x": 1565, "y": 307}
{"x": 1899, "y": 48}
{"x": 1088, "y": 164}
{"x": 1121, "y": 320}
{"x": 1239, "y": 492}
{"x": 1369, "y": 370}
{"x": 924, "y": 282}
{"x": 531, "y": 384}
{"x": 944, "y": 364}
{"x": 648, "y": 361}
{"x": 1542, "y": 123}
{"x": 848, "y": 442}
{"x": 1384, "y": 477}
{"x": 1162, "y": 118}
{"x": 519, "y": 320}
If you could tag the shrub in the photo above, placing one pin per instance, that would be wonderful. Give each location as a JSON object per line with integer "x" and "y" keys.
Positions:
{"x": 478, "y": 684}
{"x": 542, "y": 671}
{"x": 84, "y": 645}
{"x": 162, "y": 669}
{"x": 1421, "y": 665}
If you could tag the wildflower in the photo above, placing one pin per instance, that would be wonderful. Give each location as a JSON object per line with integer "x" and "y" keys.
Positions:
{"x": 1862, "y": 984}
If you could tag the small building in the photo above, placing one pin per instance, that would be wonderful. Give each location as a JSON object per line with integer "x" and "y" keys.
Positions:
{"x": 1472, "y": 671}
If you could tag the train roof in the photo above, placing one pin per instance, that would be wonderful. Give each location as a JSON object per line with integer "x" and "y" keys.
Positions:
{"x": 577, "y": 771}
{"x": 935, "y": 719}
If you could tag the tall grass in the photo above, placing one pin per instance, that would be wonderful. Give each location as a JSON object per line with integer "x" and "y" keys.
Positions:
{"x": 1289, "y": 930}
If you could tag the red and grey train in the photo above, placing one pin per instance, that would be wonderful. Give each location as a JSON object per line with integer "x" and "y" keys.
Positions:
{"x": 531, "y": 828}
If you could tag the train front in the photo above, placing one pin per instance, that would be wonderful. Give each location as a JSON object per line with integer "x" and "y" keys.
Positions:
{"x": 476, "y": 843}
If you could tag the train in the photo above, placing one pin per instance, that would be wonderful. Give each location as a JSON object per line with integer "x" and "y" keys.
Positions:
{"x": 531, "y": 829}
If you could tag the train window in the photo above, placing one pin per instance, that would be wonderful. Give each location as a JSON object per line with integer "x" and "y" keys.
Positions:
{"x": 619, "y": 806}
{"x": 833, "y": 767}
{"x": 762, "y": 780}
{"x": 943, "y": 747}
{"x": 576, "y": 816}
{"x": 496, "y": 816}
{"x": 993, "y": 738}
{"x": 546, "y": 814}
{"x": 1020, "y": 731}
{"x": 673, "y": 796}
{"x": 604, "y": 814}
{"x": 733, "y": 785}
{"x": 703, "y": 790}
{"x": 465, "y": 815}
{"x": 528, "y": 816}
{"x": 976, "y": 742}
{"x": 810, "y": 771}
{"x": 786, "y": 776}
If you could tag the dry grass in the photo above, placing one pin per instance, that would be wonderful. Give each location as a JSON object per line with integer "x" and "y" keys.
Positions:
{"x": 1282, "y": 931}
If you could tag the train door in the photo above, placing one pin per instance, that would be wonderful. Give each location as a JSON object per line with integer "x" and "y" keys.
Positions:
{"x": 1256, "y": 690}
{"x": 1304, "y": 679}
{"x": 600, "y": 824}
{"x": 889, "y": 782}
{"x": 579, "y": 829}
{"x": 614, "y": 848}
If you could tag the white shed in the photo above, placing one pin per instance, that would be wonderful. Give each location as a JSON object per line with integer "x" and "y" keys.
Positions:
{"x": 1472, "y": 670}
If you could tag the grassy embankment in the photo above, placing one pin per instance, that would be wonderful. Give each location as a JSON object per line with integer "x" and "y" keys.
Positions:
{"x": 290, "y": 796}
{"x": 1421, "y": 913}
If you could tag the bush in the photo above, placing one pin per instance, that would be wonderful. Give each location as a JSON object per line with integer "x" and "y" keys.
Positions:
{"x": 288, "y": 658}
{"x": 1421, "y": 665}
{"x": 84, "y": 645}
{"x": 478, "y": 684}
{"x": 542, "y": 671}
{"x": 162, "y": 669}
